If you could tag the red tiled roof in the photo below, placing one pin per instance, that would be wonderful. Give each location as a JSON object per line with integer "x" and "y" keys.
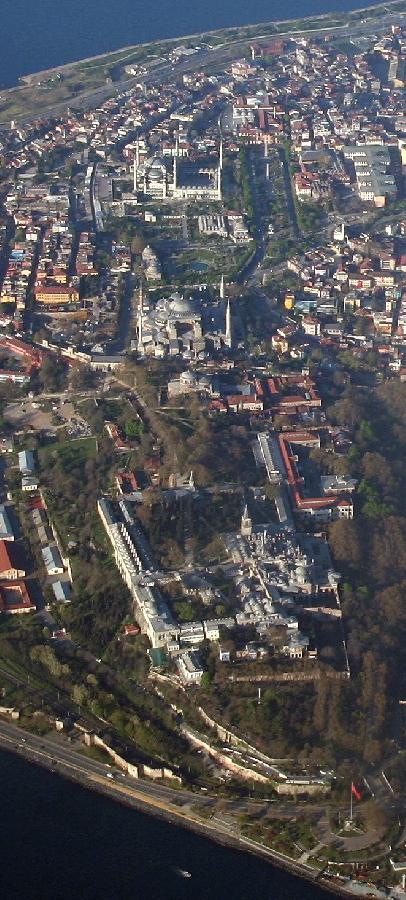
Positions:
{"x": 15, "y": 596}
{"x": 10, "y": 558}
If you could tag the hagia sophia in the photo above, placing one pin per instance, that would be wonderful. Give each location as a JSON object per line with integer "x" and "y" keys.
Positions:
{"x": 179, "y": 326}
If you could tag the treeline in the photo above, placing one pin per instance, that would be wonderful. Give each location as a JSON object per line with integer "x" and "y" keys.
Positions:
{"x": 370, "y": 551}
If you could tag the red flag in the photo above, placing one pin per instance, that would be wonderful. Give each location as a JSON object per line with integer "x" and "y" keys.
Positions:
{"x": 354, "y": 791}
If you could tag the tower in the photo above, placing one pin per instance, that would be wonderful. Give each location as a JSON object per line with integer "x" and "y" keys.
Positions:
{"x": 136, "y": 165}
{"x": 222, "y": 292}
{"x": 246, "y": 523}
{"x": 175, "y": 173}
{"x": 229, "y": 335}
{"x": 140, "y": 317}
{"x": 220, "y": 165}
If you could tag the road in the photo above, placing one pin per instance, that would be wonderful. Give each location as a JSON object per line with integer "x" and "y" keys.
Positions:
{"x": 65, "y": 759}
{"x": 125, "y": 315}
{"x": 210, "y": 60}
{"x": 144, "y": 796}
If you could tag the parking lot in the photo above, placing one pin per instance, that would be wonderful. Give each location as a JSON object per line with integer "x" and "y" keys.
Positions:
{"x": 46, "y": 416}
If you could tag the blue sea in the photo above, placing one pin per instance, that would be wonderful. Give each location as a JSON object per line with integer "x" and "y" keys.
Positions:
{"x": 37, "y": 34}
{"x": 61, "y": 842}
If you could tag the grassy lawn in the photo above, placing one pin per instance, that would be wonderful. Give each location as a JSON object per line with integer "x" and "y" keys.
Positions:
{"x": 78, "y": 450}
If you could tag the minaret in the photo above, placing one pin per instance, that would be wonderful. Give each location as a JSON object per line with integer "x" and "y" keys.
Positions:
{"x": 220, "y": 168}
{"x": 140, "y": 317}
{"x": 136, "y": 164}
{"x": 222, "y": 292}
{"x": 175, "y": 173}
{"x": 229, "y": 335}
{"x": 246, "y": 523}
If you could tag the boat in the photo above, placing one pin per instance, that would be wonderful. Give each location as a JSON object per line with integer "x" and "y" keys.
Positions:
{"x": 184, "y": 873}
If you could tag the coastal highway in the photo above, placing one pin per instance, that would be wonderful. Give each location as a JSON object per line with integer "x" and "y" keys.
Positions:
{"x": 66, "y": 759}
{"x": 211, "y": 60}
{"x": 144, "y": 796}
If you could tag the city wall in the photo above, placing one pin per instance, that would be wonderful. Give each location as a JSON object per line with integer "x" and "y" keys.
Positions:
{"x": 225, "y": 761}
{"x": 93, "y": 740}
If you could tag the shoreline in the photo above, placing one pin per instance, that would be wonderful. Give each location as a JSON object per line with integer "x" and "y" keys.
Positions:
{"x": 217, "y": 32}
{"x": 118, "y": 793}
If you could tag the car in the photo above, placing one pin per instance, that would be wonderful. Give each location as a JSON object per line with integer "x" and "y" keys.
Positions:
{"x": 109, "y": 775}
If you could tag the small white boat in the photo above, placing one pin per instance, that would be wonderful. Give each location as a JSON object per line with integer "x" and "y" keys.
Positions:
{"x": 184, "y": 873}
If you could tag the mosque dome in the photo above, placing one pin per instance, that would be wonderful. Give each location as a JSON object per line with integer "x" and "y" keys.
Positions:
{"x": 187, "y": 378}
{"x": 179, "y": 306}
{"x": 156, "y": 168}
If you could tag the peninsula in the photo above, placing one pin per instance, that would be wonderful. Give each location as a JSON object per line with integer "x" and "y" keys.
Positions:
{"x": 202, "y": 431}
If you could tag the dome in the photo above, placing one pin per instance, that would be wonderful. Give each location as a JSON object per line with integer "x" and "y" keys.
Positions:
{"x": 180, "y": 306}
{"x": 156, "y": 168}
{"x": 187, "y": 378}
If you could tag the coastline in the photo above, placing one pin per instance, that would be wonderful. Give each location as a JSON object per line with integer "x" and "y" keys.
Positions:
{"x": 127, "y": 796}
{"x": 91, "y": 80}
{"x": 226, "y": 32}
{"x": 132, "y": 793}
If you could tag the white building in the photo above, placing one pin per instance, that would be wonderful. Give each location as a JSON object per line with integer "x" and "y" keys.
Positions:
{"x": 26, "y": 462}
{"x": 190, "y": 668}
{"x": 52, "y": 560}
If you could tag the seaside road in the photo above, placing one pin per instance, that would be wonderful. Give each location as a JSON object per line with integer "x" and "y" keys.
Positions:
{"x": 47, "y": 751}
{"x": 211, "y": 60}
{"x": 66, "y": 759}
{"x": 62, "y": 757}
{"x": 146, "y": 797}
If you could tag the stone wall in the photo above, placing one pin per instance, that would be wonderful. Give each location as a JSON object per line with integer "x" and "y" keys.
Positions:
{"x": 135, "y": 771}
{"x": 223, "y": 759}
{"x": 294, "y": 788}
{"x": 230, "y": 738}
{"x": 10, "y": 712}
